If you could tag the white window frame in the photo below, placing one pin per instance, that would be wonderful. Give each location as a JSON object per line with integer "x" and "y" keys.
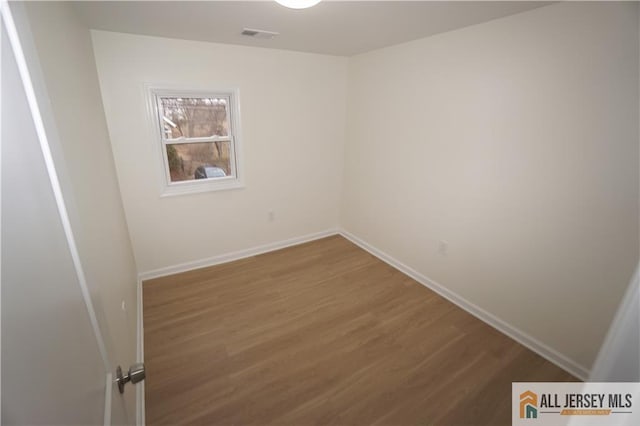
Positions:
{"x": 233, "y": 181}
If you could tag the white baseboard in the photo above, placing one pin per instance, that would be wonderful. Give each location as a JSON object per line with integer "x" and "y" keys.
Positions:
{"x": 519, "y": 336}
{"x": 236, "y": 255}
{"x": 140, "y": 421}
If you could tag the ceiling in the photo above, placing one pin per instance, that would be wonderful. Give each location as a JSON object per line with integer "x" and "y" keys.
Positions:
{"x": 341, "y": 28}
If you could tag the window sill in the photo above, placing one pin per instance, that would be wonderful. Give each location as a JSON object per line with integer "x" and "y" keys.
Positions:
{"x": 198, "y": 187}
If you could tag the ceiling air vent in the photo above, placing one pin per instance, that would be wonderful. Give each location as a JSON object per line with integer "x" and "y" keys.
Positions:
{"x": 267, "y": 35}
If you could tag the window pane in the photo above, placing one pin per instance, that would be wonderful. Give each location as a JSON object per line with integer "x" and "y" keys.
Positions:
{"x": 189, "y": 161}
{"x": 194, "y": 117}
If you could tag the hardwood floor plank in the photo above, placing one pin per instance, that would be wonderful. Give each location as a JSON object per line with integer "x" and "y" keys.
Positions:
{"x": 323, "y": 333}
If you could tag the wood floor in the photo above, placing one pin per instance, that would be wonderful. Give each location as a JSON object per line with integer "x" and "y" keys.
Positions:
{"x": 323, "y": 333}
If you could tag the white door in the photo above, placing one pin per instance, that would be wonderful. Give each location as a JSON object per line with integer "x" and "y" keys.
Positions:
{"x": 55, "y": 368}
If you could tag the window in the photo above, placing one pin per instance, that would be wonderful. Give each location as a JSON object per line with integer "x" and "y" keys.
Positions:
{"x": 199, "y": 139}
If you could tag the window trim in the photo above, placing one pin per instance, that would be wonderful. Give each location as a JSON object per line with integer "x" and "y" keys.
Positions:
{"x": 169, "y": 188}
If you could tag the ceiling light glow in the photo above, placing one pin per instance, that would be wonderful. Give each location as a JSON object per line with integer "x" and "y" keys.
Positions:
{"x": 298, "y": 4}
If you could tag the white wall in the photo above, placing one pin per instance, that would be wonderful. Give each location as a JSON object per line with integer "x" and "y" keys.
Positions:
{"x": 81, "y": 146}
{"x": 46, "y": 333}
{"x": 293, "y": 127}
{"x": 516, "y": 141}
{"x": 619, "y": 357}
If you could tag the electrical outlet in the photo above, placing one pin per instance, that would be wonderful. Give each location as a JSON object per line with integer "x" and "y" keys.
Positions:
{"x": 271, "y": 216}
{"x": 123, "y": 306}
{"x": 443, "y": 247}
